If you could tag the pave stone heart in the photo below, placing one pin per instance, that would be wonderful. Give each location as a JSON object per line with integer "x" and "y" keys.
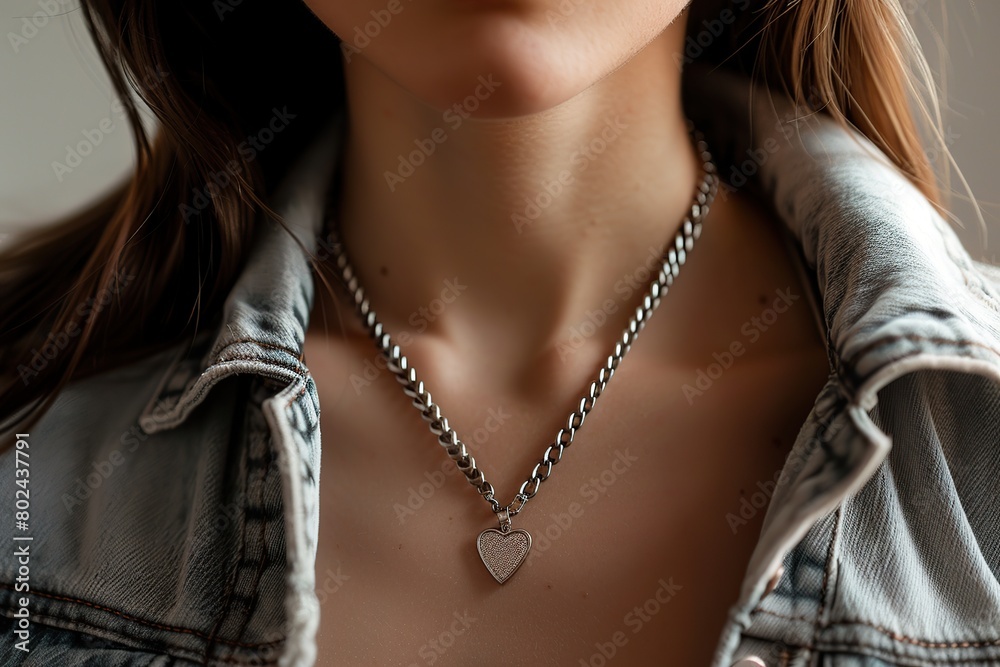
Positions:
{"x": 503, "y": 553}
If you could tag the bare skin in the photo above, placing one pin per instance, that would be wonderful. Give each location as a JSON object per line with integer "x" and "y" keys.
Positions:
{"x": 399, "y": 573}
{"x": 493, "y": 310}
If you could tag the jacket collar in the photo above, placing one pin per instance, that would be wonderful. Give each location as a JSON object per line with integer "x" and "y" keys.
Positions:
{"x": 266, "y": 314}
{"x": 897, "y": 292}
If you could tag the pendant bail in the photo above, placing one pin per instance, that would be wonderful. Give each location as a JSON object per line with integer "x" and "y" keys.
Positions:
{"x": 504, "y": 516}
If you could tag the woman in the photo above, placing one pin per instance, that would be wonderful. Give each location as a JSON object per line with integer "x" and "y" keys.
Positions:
{"x": 796, "y": 465}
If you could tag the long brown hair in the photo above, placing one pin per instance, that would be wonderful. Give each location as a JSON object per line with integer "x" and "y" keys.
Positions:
{"x": 151, "y": 264}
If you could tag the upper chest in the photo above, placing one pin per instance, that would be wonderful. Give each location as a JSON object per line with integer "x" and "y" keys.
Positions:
{"x": 640, "y": 536}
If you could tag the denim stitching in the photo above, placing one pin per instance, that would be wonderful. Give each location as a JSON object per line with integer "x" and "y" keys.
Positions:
{"x": 158, "y": 626}
{"x": 889, "y": 633}
{"x": 919, "y": 642}
{"x": 270, "y": 346}
{"x": 175, "y": 651}
{"x": 917, "y": 338}
{"x": 826, "y": 570}
{"x": 262, "y": 539}
{"x": 880, "y": 654}
{"x": 294, "y": 369}
{"x": 298, "y": 395}
{"x": 182, "y": 653}
{"x": 805, "y": 619}
{"x": 233, "y": 580}
{"x": 173, "y": 399}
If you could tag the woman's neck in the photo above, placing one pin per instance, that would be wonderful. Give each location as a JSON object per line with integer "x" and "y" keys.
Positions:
{"x": 510, "y": 230}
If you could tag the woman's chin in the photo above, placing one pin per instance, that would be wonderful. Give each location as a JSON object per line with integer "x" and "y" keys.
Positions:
{"x": 506, "y": 68}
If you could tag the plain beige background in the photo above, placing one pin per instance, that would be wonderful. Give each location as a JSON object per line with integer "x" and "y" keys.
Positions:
{"x": 55, "y": 94}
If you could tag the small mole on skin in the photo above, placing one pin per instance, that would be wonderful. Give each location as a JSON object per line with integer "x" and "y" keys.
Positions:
{"x": 548, "y": 586}
{"x": 383, "y": 271}
{"x": 400, "y": 546}
{"x": 586, "y": 594}
{"x": 762, "y": 299}
{"x": 742, "y": 492}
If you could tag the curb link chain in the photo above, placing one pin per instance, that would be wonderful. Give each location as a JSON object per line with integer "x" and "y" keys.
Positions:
{"x": 673, "y": 257}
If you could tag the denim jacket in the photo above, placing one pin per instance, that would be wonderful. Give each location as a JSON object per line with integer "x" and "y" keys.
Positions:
{"x": 173, "y": 503}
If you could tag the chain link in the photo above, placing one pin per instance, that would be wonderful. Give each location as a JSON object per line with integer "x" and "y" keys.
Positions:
{"x": 673, "y": 257}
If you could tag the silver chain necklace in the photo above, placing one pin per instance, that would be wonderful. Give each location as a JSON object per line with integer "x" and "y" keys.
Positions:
{"x": 504, "y": 550}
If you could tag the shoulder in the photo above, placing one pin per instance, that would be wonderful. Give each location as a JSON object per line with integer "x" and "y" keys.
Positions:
{"x": 142, "y": 537}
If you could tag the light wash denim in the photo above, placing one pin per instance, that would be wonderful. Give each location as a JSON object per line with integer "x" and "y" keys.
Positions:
{"x": 174, "y": 509}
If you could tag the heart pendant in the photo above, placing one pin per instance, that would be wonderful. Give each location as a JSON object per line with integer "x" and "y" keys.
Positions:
{"x": 503, "y": 552}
